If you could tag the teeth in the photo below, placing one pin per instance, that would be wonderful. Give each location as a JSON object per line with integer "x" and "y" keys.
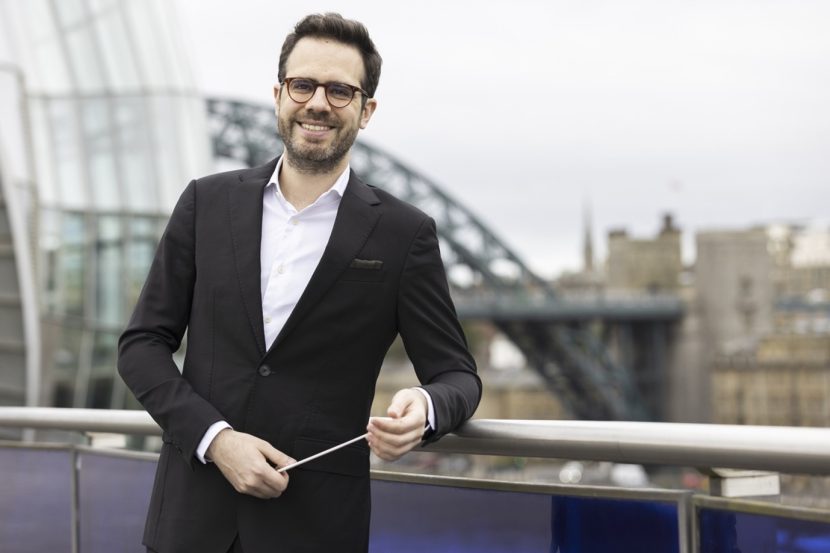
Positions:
{"x": 313, "y": 127}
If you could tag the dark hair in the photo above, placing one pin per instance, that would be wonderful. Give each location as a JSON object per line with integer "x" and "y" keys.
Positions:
{"x": 347, "y": 31}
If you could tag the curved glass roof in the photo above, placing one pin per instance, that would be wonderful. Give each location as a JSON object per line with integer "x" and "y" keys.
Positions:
{"x": 117, "y": 122}
{"x": 116, "y": 127}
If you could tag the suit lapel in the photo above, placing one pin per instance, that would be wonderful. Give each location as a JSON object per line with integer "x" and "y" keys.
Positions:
{"x": 245, "y": 209}
{"x": 356, "y": 218}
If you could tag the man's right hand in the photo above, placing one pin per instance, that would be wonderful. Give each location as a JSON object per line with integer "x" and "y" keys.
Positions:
{"x": 244, "y": 461}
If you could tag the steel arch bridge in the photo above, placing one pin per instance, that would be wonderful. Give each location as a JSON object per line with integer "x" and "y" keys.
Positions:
{"x": 571, "y": 358}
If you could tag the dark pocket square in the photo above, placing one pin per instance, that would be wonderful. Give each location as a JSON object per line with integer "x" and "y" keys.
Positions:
{"x": 366, "y": 264}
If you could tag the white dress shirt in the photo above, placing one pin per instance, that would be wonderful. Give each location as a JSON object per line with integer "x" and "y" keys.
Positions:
{"x": 292, "y": 246}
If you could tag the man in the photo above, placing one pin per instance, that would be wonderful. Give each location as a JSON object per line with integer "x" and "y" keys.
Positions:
{"x": 292, "y": 280}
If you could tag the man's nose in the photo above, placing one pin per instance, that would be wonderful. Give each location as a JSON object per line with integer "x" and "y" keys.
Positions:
{"x": 318, "y": 100}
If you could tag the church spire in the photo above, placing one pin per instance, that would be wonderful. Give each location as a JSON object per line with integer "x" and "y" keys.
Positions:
{"x": 587, "y": 239}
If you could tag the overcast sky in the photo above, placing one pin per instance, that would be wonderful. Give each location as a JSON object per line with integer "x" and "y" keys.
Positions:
{"x": 526, "y": 111}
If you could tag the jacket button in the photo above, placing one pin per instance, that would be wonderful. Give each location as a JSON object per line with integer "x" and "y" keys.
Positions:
{"x": 264, "y": 370}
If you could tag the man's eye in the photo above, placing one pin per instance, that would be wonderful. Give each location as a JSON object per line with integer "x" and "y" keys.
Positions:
{"x": 302, "y": 86}
{"x": 340, "y": 91}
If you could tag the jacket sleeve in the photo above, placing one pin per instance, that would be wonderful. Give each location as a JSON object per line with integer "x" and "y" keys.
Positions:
{"x": 155, "y": 331}
{"x": 433, "y": 337}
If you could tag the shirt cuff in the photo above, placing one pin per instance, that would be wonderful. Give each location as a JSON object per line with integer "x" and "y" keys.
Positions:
{"x": 207, "y": 439}
{"x": 430, "y": 409}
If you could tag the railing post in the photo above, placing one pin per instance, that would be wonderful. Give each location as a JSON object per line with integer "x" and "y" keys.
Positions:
{"x": 743, "y": 483}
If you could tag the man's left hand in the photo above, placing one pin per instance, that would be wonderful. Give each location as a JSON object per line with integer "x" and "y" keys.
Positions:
{"x": 390, "y": 437}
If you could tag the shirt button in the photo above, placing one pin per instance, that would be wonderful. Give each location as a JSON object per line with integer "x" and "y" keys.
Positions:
{"x": 267, "y": 320}
{"x": 264, "y": 370}
{"x": 280, "y": 269}
{"x": 295, "y": 222}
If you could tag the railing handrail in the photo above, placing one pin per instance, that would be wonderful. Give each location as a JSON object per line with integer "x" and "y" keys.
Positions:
{"x": 796, "y": 450}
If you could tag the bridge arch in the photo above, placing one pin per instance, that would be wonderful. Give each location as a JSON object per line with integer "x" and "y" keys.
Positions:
{"x": 570, "y": 358}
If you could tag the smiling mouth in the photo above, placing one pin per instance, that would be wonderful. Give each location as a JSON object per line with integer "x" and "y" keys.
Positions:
{"x": 315, "y": 128}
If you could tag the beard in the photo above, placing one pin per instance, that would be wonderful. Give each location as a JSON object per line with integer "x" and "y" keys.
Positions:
{"x": 314, "y": 158}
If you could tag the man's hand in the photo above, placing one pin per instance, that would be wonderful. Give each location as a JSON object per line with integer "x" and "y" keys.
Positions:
{"x": 243, "y": 460}
{"x": 391, "y": 437}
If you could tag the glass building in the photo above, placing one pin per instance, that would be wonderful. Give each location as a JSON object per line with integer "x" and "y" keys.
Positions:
{"x": 102, "y": 128}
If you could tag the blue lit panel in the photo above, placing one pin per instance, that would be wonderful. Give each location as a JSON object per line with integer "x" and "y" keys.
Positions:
{"x": 410, "y": 518}
{"x": 35, "y": 500}
{"x": 113, "y": 495}
{"x": 734, "y": 532}
{"x": 414, "y": 518}
{"x": 599, "y": 525}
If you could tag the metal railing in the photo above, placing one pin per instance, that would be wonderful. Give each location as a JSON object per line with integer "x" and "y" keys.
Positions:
{"x": 795, "y": 450}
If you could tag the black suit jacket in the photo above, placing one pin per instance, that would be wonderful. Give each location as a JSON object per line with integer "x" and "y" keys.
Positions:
{"x": 312, "y": 389}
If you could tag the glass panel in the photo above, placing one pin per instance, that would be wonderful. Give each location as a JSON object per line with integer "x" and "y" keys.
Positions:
{"x": 109, "y": 264}
{"x": 70, "y": 12}
{"x": 41, "y": 134}
{"x": 195, "y": 149}
{"x": 66, "y": 138}
{"x": 49, "y": 244}
{"x": 89, "y": 74}
{"x": 72, "y": 264}
{"x": 152, "y": 57}
{"x": 99, "y": 6}
{"x": 65, "y": 361}
{"x": 727, "y": 531}
{"x": 598, "y": 525}
{"x": 99, "y": 393}
{"x": 41, "y": 55}
{"x": 119, "y": 393}
{"x": 118, "y": 56}
{"x": 166, "y": 140}
{"x": 38, "y": 19}
{"x": 113, "y": 497}
{"x": 35, "y": 500}
{"x": 168, "y": 35}
{"x": 50, "y": 71}
{"x": 83, "y": 379}
{"x": 140, "y": 251}
{"x": 100, "y": 151}
{"x": 493, "y": 521}
{"x": 137, "y": 166}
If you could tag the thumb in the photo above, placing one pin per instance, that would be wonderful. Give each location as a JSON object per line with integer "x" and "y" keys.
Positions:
{"x": 400, "y": 404}
{"x": 276, "y": 456}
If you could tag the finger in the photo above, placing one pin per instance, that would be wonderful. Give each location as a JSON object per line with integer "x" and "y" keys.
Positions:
{"x": 385, "y": 424}
{"x": 385, "y": 444}
{"x": 385, "y": 449}
{"x": 391, "y": 446}
{"x": 275, "y": 482}
{"x": 390, "y": 452}
{"x": 400, "y": 434}
{"x": 243, "y": 461}
{"x": 410, "y": 419}
{"x": 402, "y": 427}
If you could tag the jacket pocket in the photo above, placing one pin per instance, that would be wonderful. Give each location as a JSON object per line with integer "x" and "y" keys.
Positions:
{"x": 360, "y": 274}
{"x": 352, "y": 460}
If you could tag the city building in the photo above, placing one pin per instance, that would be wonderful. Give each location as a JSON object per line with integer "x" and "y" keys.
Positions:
{"x": 770, "y": 352}
{"x": 644, "y": 264}
{"x": 734, "y": 282}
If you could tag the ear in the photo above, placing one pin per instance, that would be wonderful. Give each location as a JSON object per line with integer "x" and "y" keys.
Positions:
{"x": 368, "y": 110}
{"x": 277, "y": 98}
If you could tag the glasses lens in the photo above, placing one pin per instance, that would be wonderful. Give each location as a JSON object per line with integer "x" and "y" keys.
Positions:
{"x": 301, "y": 90}
{"x": 339, "y": 94}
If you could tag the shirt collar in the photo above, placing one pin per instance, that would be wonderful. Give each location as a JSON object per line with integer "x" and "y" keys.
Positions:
{"x": 337, "y": 189}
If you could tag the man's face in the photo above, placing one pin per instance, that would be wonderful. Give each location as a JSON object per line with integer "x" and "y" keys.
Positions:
{"x": 318, "y": 136}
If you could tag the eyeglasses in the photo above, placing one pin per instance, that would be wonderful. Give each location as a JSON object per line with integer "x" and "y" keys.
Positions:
{"x": 339, "y": 95}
